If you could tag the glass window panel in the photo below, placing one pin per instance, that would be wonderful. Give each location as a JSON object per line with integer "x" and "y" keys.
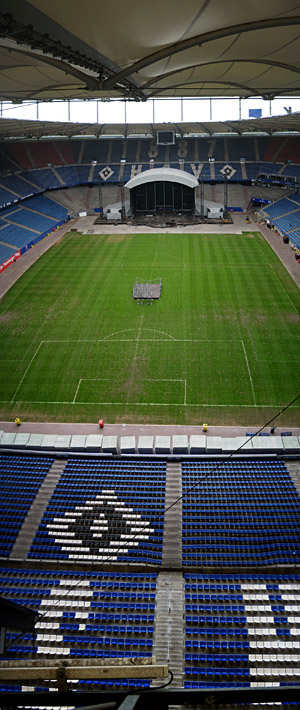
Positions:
{"x": 53, "y": 111}
{"x": 196, "y": 110}
{"x": 83, "y": 111}
{"x": 167, "y": 110}
{"x": 111, "y": 111}
{"x": 23, "y": 111}
{"x": 225, "y": 109}
{"x": 141, "y": 112}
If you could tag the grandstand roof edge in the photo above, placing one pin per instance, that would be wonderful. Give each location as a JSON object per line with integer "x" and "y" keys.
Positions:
{"x": 14, "y": 129}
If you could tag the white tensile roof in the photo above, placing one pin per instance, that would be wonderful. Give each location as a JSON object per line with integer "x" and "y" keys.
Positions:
{"x": 140, "y": 49}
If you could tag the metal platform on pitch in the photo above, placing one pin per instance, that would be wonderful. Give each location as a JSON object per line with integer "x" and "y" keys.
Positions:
{"x": 147, "y": 291}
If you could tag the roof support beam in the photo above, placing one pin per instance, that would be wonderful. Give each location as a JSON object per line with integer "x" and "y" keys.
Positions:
{"x": 265, "y": 62}
{"x": 177, "y": 47}
{"x": 248, "y": 89}
{"x": 24, "y": 24}
{"x": 89, "y": 81}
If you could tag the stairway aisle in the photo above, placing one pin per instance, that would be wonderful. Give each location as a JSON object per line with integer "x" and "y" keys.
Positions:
{"x": 33, "y": 518}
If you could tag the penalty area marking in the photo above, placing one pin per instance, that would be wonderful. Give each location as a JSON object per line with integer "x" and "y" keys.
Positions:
{"x": 169, "y": 339}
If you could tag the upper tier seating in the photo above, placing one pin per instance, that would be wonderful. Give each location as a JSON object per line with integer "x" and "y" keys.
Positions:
{"x": 72, "y": 161}
{"x": 20, "y": 479}
{"x": 41, "y": 153}
{"x": 46, "y": 177}
{"x": 104, "y": 510}
{"x": 245, "y": 513}
{"x": 242, "y": 630}
{"x": 89, "y": 614}
{"x": 68, "y": 174}
{"x": 290, "y": 150}
{"x": 17, "y": 155}
{"x": 269, "y": 168}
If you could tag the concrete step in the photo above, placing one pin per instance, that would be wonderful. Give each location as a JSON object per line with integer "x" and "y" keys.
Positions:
{"x": 173, "y": 517}
{"x": 169, "y": 628}
{"x": 33, "y": 518}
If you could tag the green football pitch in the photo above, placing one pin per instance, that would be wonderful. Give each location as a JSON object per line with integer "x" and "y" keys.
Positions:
{"x": 220, "y": 346}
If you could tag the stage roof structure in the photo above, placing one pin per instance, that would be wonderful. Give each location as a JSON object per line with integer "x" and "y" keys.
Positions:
{"x": 136, "y": 50}
{"x": 163, "y": 175}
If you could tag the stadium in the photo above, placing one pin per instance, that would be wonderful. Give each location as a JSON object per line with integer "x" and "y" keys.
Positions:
{"x": 149, "y": 348}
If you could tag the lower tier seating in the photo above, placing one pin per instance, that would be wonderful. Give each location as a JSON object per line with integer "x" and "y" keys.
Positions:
{"x": 242, "y": 630}
{"x": 20, "y": 480}
{"x": 102, "y": 615}
{"x": 242, "y": 513}
{"x": 26, "y": 221}
{"x": 104, "y": 510}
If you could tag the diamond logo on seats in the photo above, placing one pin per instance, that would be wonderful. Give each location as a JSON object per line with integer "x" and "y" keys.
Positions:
{"x": 102, "y": 529}
{"x": 228, "y": 171}
{"x": 106, "y": 173}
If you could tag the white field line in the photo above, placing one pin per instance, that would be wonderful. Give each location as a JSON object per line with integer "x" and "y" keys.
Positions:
{"x": 111, "y": 379}
{"x": 296, "y": 362}
{"x": 25, "y": 373}
{"x": 158, "y": 404}
{"x": 169, "y": 339}
{"x": 127, "y": 330}
{"x": 278, "y": 279}
{"x": 100, "y": 340}
{"x": 285, "y": 291}
{"x": 77, "y": 388}
{"x": 2, "y": 313}
{"x": 249, "y": 372}
{"x": 133, "y": 366}
{"x": 152, "y": 404}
